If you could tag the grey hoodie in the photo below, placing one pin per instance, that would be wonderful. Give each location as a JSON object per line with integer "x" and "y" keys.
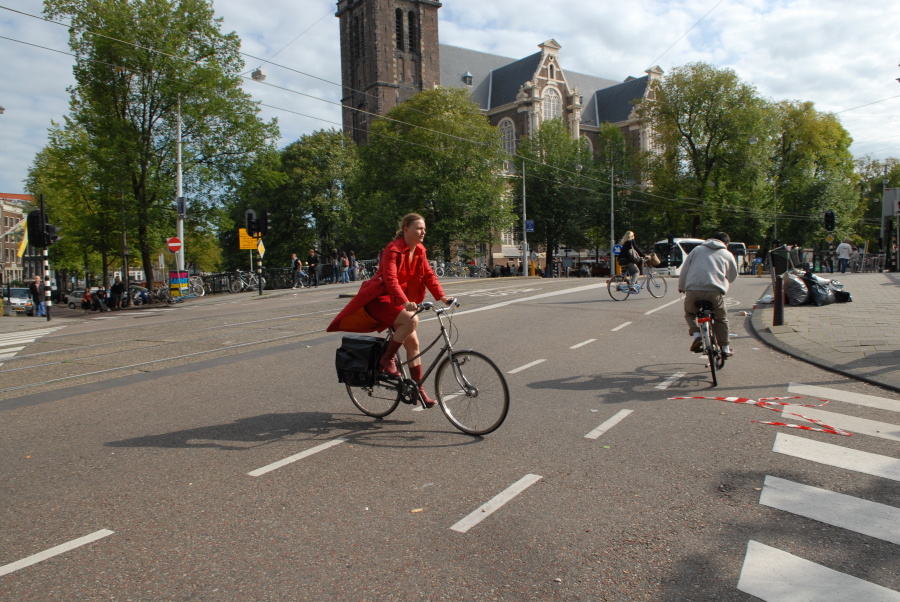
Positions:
{"x": 709, "y": 267}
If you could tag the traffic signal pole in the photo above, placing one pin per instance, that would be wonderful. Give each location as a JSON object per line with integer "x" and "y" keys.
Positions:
{"x": 48, "y": 301}
{"x": 179, "y": 224}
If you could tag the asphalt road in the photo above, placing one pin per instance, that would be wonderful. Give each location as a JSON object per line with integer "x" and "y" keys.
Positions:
{"x": 139, "y": 429}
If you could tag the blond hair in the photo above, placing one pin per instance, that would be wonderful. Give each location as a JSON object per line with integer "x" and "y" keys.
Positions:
{"x": 628, "y": 236}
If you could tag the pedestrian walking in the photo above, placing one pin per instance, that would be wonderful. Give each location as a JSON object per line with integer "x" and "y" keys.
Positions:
{"x": 345, "y": 268}
{"x": 313, "y": 261}
{"x": 390, "y": 299}
{"x": 116, "y": 292}
{"x": 354, "y": 266}
{"x": 843, "y": 252}
{"x": 297, "y": 270}
{"x": 37, "y": 296}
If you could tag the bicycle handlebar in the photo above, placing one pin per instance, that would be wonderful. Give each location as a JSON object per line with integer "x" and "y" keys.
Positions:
{"x": 426, "y": 305}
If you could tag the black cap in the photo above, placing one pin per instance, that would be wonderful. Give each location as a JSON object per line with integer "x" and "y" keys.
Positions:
{"x": 723, "y": 237}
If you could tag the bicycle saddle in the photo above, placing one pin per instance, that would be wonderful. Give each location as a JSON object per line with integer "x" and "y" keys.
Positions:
{"x": 701, "y": 305}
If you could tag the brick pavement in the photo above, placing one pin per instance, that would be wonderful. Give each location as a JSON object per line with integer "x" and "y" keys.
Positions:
{"x": 859, "y": 339}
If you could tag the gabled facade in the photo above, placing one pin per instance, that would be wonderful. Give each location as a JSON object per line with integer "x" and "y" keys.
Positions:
{"x": 390, "y": 50}
{"x": 12, "y": 217}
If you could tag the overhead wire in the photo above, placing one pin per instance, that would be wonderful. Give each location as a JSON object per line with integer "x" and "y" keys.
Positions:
{"x": 690, "y": 202}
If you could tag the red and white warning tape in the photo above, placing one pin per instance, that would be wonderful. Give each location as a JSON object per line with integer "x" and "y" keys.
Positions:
{"x": 768, "y": 403}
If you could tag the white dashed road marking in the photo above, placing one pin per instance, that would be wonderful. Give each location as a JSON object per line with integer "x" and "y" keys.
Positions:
{"x": 620, "y": 327}
{"x": 582, "y": 344}
{"x": 526, "y": 366}
{"x": 668, "y": 382}
{"x": 621, "y": 415}
{"x": 55, "y": 551}
{"x": 294, "y": 458}
{"x": 496, "y": 503}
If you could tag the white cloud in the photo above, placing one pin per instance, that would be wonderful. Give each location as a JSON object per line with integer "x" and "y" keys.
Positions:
{"x": 836, "y": 54}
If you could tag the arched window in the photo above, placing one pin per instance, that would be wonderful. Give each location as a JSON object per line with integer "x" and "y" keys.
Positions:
{"x": 413, "y": 69}
{"x": 508, "y": 136}
{"x": 586, "y": 142}
{"x": 398, "y": 16}
{"x": 413, "y": 33}
{"x": 552, "y": 72}
{"x": 552, "y": 104}
{"x": 401, "y": 67}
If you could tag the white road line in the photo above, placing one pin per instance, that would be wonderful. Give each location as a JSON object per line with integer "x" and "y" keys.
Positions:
{"x": 844, "y": 511}
{"x": 776, "y": 576}
{"x": 860, "y": 399}
{"x": 496, "y": 503}
{"x": 9, "y": 352}
{"x": 55, "y": 551}
{"x": 526, "y": 366}
{"x": 582, "y": 344}
{"x": 608, "y": 424}
{"x": 647, "y": 313}
{"x": 577, "y": 289}
{"x": 107, "y": 317}
{"x": 860, "y": 426}
{"x": 294, "y": 458}
{"x": 668, "y": 382}
{"x": 620, "y": 327}
{"x": 835, "y": 455}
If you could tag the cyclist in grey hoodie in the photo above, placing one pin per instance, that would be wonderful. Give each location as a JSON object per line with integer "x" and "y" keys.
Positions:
{"x": 705, "y": 276}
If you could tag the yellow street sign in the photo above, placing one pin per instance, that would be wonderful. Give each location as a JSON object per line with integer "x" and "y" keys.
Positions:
{"x": 247, "y": 243}
{"x": 829, "y": 238}
{"x": 261, "y": 249}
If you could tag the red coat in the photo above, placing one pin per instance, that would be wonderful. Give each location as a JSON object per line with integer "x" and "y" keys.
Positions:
{"x": 398, "y": 280}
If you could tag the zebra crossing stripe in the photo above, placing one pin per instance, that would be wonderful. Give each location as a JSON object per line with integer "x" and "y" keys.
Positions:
{"x": 860, "y": 399}
{"x": 776, "y": 576}
{"x": 835, "y": 455}
{"x": 837, "y": 509}
{"x": 861, "y": 426}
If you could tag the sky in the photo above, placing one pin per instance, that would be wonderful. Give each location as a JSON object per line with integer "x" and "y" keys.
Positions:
{"x": 843, "y": 56}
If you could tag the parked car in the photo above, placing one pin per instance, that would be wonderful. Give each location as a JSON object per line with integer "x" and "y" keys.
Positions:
{"x": 19, "y": 300}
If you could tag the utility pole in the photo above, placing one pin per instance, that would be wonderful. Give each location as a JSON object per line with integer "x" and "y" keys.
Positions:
{"x": 179, "y": 230}
{"x": 525, "y": 270}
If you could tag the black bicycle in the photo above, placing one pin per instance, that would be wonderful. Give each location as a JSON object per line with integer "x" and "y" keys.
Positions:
{"x": 470, "y": 388}
{"x": 706, "y": 318}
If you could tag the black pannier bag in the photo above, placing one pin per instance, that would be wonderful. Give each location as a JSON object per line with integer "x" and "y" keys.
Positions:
{"x": 357, "y": 358}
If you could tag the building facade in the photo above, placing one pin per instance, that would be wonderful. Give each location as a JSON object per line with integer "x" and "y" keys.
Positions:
{"x": 12, "y": 229}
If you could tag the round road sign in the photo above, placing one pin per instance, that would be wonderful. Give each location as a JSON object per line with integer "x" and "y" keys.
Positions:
{"x": 174, "y": 244}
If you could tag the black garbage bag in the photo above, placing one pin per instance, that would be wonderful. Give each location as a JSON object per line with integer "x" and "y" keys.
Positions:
{"x": 795, "y": 289}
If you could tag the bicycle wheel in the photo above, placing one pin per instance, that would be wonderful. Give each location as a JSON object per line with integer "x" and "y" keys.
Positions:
{"x": 439, "y": 272}
{"x": 709, "y": 347}
{"x": 472, "y": 392}
{"x": 618, "y": 287}
{"x": 377, "y": 401}
{"x": 656, "y": 286}
{"x": 235, "y": 285}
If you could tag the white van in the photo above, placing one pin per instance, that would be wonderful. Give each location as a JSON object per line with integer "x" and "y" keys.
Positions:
{"x": 672, "y": 258}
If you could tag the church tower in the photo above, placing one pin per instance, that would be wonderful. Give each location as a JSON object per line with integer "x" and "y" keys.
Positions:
{"x": 389, "y": 51}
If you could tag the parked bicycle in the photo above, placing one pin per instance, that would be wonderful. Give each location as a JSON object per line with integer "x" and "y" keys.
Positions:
{"x": 245, "y": 281}
{"x": 651, "y": 281}
{"x": 715, "y": 356}
{"x": 470, "y": 388}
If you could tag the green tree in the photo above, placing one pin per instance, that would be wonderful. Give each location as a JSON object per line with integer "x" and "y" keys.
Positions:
{"x": 138, "y": 64}
{"x": 703, "y": 118}
{"x": 559, "y": 195}
{"x": 436, "y": 155}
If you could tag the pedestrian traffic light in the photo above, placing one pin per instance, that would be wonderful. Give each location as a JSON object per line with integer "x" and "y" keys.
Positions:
{"x": 37, "y": 236}
{"x": 50, "y": 235}
{"x": 251, "y": 222}
{"x": 262, "y": 224}
{"x": 829, "y": 220}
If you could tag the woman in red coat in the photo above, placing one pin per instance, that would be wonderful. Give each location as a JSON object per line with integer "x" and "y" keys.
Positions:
{"x": 391, "y": 296}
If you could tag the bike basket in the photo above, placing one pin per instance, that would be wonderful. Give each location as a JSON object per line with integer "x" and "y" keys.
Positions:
{"x": 653, "y": 260}
{"x": 357, "y": 358}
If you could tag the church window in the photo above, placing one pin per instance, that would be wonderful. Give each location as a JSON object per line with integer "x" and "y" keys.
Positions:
{"x": 508, "y": 136}
{"x": 412, "y": 71}
{"x": 413, "y": 33}
{"x": 552, "y": 104}
{"x": 552, "y": 72}
{"x": 399, "y": 29}
{"x": 400, "y": 69}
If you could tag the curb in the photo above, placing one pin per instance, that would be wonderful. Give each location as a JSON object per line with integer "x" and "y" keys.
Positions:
{"x": 764, "y": 334}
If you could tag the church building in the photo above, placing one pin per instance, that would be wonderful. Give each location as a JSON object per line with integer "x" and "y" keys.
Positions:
{"x": 390, "y": 50}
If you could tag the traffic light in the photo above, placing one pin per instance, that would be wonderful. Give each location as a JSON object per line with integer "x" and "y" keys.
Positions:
{"x": 262, "y": 224}
{"x": 251, "y": 222}
{"x": 829, "y": 220}
{"x": 37, "y": 222}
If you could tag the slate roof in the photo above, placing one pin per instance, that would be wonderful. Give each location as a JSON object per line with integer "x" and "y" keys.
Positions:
{"x": 496, "y": 81}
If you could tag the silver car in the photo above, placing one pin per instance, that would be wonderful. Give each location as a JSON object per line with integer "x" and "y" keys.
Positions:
{"x": 19, "y": 300}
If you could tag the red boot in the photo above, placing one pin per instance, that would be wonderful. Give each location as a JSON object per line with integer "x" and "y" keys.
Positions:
{"x": 387, "y": 364}
{"x": 416, "y": 373}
